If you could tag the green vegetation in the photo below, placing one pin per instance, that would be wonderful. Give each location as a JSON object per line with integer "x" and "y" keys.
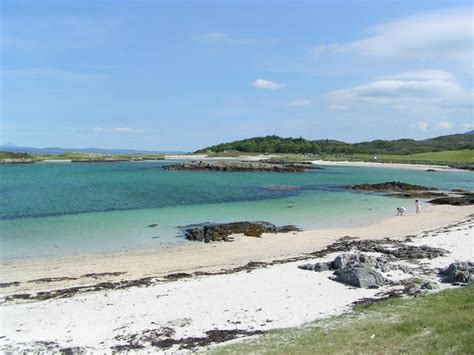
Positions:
{"x": 275, "y": 144}
{"x": 98, "y": 157}
{"x": 450, "y": 157}
{"x": 10, "y": 155}
{"x": 441, "y": 323}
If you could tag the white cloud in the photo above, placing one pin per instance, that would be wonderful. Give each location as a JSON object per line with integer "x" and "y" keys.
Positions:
{"x": 300, "y": 103}
{"x": 416, "y": 92}
{"x": 425, "y": 126}
{"x": 267, "y": 84}
{"x": 220, "y": 37}
{"x": 116, "y": 130}
{"x": 446, "y": 35}
{"x": 443, "y": 126}
{"x": 422, "y": 126}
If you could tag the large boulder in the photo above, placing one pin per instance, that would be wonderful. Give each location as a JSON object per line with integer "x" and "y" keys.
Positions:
{"x": 360, "y": 276}
{"x": 344, "y": 260}
{"x": 212, "y": 232}
{"x": 458, "y": 272}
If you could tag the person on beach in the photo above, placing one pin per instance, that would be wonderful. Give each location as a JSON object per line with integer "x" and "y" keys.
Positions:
{"x": 418, "y": 206}
{"x": 401, "y": 211}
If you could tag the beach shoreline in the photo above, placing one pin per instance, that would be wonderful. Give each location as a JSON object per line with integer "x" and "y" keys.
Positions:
{"x": 199, "y": 311}
{"x": 198, "y": 256}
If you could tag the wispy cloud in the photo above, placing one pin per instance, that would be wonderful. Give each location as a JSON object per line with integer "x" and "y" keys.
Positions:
{"x": 441, "y": 35}
{"x": 300, "y": 103}
{"x": 225, "y": 38}
{"x": 117, "y": 130}
{"x": 419, "y": 91}
{"x": 422, "y": 126}
{"x": 267, "y": 84}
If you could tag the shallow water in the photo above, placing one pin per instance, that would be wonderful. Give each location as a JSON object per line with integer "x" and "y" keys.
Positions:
{"x": 64, "y": 209}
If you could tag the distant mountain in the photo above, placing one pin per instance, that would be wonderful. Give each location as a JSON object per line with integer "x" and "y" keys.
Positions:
{"x": 58, "y": 150}
{"x": 276, "y": 144}
{"x": 470, "y": 132}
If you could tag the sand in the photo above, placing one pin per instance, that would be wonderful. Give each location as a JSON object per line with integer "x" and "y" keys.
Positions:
{"x": 197, "y": 256}
{"x": 273, "y": 297}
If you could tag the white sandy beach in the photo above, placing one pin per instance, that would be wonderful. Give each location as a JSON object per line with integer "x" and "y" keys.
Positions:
{"x": 273, "y": 297}
{"x": 215, "y": 256}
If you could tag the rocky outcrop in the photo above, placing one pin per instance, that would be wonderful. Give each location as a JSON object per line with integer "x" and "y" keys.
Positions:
{"x": 236, "y": 166}
{"x": 353, "y": 269}
{"x": 467, "y": 199}
{"x": 17, "y": 161}
{"x": 213, "y": 232}
{"x": 390, "y": 186}
{"x": 462, "y": 272}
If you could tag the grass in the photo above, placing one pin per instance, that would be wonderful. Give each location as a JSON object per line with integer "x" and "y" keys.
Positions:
{"x": 441, "y": 323}
{"x": 448, "y": 157}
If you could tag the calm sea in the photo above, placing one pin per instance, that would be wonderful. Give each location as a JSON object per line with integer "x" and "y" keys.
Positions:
{"x": 52, "y": 209}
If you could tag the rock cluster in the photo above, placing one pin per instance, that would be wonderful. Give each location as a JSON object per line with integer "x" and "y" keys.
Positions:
{"x": 392, "y": 186}
{"x": 237, "y": 166}
{"x": 400, "y": 189}
{"x": 462, "y": 272}
{"x": 212, "y": 232}
{"x": 353, "y": 269}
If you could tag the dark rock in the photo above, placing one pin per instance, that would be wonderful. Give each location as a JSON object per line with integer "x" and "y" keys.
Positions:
{"x": 153, "y": 225}
{"x": 431, "y": 170}
{"x": 417, "y": 194}
{"x": 316, "y": 267}
{"x": 417, "y": 252}
{"x": 350, "y": 260}
{"x": 391, "y": 186}
{"x": 430, "y": 286}
{"x": 458, "y": 272}
{"x": 9, "y": 284}
{"x": 208, "y": 232}
{"x": 360, "y": 276}
{"x": 236, "y": 166}
{"x": 465, "y": 200}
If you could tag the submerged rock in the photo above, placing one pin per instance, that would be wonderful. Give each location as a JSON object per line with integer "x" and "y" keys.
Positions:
{"x": 458, "y": 272}
{"x": 211, "y": 232}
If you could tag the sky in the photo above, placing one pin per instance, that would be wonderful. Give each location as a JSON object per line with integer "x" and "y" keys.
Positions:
{"x": 182, "y": 75}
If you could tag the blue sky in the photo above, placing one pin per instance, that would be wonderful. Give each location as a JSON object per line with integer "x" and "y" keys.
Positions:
{"x": 180, "y": 75}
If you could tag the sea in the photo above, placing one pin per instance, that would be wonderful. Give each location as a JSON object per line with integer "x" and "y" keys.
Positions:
{"x": 62, "y": 209}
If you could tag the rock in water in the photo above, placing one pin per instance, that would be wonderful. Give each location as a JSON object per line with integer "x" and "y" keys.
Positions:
{"x": 359, "y": 276}
{"x": 391, "y": 186}
{"x": 458, "y": 272}
{"x": 465, "y": 200}
{"x": 237, "y": 166}
{"x": 212, "y": 232}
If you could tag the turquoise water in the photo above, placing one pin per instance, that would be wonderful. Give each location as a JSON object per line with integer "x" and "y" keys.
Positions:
{"x": 64, "y": 209}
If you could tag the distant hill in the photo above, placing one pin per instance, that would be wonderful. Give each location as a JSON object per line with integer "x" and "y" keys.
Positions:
{"x": 276, "y": 144}
{"x": 470, "y": 132}
{"x": 57, "y": 150}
